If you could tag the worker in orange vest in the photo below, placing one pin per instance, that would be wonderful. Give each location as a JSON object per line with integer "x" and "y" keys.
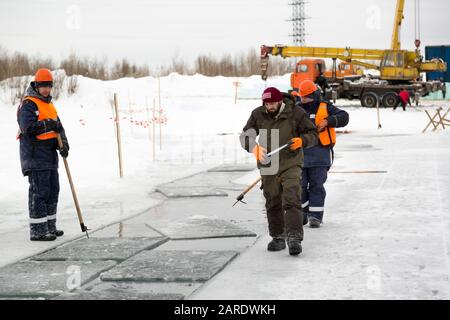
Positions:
{"x": 318, "y": 159}
{"x": 39, "y": 125}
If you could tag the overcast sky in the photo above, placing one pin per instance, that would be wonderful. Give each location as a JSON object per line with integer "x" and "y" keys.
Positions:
{"x": 154, "y": 31}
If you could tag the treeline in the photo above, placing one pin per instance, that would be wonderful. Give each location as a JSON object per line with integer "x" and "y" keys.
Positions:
{"x": 240, "y": 65}
{"x": 20, "y": 64}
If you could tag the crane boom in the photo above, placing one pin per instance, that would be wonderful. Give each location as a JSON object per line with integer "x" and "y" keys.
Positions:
{"x": 394, "y": 64}
{"x": 395, "y": 42}
{"x": 324, "y": 52}
{"x": 345, "y": 54}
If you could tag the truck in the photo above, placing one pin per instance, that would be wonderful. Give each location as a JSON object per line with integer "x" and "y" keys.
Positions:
{"x": 398, "y": 69}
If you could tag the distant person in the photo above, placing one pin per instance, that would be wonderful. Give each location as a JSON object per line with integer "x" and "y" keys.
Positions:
{"x": 318, "y": 159}
{"x": 322, "y": 82}
{"x": 403, "y": 99}
{"x": 278, "y": 118}
{"x": 39, "y": 125}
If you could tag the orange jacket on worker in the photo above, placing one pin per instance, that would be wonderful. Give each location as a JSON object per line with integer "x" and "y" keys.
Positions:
{"x": 328, "y": 135}
{"x": 45, "y": 111}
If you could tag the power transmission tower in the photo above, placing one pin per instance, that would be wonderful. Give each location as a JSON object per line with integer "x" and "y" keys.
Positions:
{"x": 298, "y": 22}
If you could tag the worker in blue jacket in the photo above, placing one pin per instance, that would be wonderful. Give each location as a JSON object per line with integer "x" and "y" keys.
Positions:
{"x": 318, "y": 159}
{"x": 39, "y": 126}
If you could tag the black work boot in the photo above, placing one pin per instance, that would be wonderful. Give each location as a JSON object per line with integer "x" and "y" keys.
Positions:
{"x": 276, "y": 244}
{"x": 314, "y": 223}
{"x": 47, "y": 237}
{"x": 57, "y": 233}
{"x": 295, "y": 247}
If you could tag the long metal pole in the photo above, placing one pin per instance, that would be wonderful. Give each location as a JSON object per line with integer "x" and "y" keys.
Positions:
{"x": 279, "y": 149}
{"x": 72, "y": 188}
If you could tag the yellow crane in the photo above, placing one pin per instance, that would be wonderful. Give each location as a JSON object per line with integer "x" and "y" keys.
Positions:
{"x": 396, "y": 65}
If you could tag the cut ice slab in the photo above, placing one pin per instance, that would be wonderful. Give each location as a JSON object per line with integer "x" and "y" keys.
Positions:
{"x": 180, "y": 192}
{"x": 118, "y": 295}
{"x": 101, "y": 249}
{"x": 200, "y": 228}
{"x": 130, "y": 228}
{"x": 48, "y": 278}
{"x": 170, "y": 266}
{"x": 123, "y": 290}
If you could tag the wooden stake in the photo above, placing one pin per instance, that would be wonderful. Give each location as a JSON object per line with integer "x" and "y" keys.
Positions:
{"x": 236, "y": 85}
{"x": 153, "y": 123}
{"x": 160, "y": 129}
{"x": 147, "y": 109}
{"x": 159, "y": 108}
{"x": 159, "y": 91}
{"x": 119, "y": 139}
{"x": 130, "y": 111}
{"x": 441, "y": 121}
{"x": 378, "y": 114}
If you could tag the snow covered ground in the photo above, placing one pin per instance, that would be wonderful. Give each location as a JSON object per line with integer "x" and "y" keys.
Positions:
{"x": 381, "y": 230}
{"x": 384, "y": 236}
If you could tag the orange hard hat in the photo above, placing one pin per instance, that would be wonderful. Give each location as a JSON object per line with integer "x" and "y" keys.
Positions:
{"x": 306, "y": 87}
{"x": 43, "y": 75}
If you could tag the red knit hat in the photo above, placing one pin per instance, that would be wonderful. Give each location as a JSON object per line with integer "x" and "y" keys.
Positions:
{"x": 272, "y": 94}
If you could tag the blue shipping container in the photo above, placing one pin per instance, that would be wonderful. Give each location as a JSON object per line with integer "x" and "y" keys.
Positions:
{"x": 442, "y": 52}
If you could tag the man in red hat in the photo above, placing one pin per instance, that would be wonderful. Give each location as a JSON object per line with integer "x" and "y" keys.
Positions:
{"x": 278, "y": 122}
{"x": 39, "y": 126}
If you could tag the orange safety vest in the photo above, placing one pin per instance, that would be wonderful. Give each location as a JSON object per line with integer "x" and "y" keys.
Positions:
{"x": 328, "y": 135}
{"x": 45, "y": 111}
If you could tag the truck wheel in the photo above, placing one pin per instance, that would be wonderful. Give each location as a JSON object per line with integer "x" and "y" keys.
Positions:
{"x": 369, "y": 100}
{"x": 390, "y": 100}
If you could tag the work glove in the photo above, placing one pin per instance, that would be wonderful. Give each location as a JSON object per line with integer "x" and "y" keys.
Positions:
{"x": 260, "y": 153}
{"x": 297, "y": 143}
{"x": 50, "y": 125}
{"x": 322, "y": 125}
{"x": 53, "y": 125}
{"x": 64, "y": 151}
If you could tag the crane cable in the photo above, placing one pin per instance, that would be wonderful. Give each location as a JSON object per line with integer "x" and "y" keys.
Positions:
{"x": 417, "y": 19}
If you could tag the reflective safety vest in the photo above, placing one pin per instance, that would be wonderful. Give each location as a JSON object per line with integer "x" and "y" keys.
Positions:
{"x": 328, "y": 135}
{"x": 45, "y": 111}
